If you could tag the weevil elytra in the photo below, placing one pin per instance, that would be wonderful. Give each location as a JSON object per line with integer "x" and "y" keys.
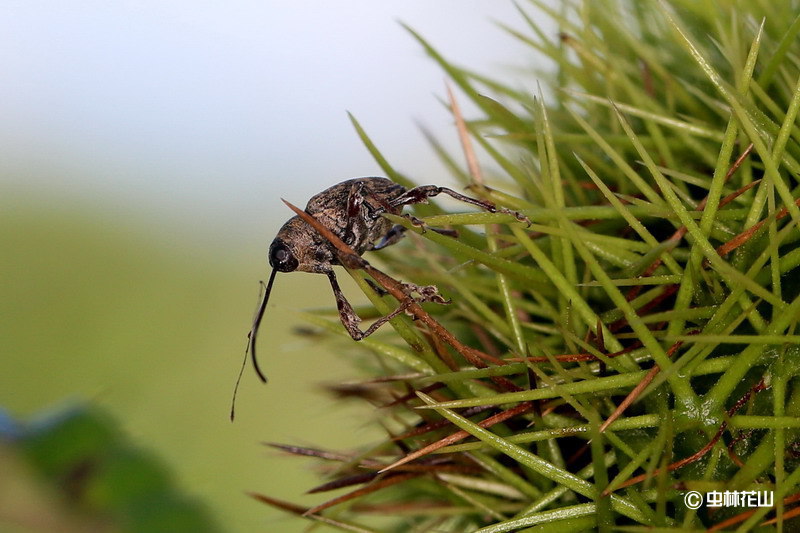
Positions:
{"x": 353, "y": 211}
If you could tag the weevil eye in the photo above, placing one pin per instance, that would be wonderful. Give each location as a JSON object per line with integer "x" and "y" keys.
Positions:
{"x": 281, "y": 258}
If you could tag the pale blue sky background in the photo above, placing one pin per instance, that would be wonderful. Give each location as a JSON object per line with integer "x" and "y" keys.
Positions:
{"x": 210, "y": 111}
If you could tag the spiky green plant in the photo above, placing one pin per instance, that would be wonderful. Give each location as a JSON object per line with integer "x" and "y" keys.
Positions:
{"x": 637, "y": 340}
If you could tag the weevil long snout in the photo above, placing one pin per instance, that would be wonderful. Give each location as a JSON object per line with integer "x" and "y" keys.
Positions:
{"x": 251, "y": 340}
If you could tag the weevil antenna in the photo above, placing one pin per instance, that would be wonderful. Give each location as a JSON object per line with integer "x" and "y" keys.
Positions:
{"x": 251, "y": 340}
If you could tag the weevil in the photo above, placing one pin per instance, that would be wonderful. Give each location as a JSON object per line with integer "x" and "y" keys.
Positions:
{"x": 353, "y": 211}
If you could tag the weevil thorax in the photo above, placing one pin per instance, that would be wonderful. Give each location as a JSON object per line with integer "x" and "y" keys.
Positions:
{"x": 350, "y": 210}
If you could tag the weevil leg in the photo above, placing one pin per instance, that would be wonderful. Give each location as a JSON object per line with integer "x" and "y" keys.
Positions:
{"x": 417, "y": 222}
{"x": 355, "y": 199}
{"x": 446, "y": 232}
{"x": 398, "y": 232}
{"x": 377, "y": 288}
{"x": 427, "y": 293}
{"x": 420, "y": 194}
{"x": 392, "y": 236}
{"x": 350, "y": 318}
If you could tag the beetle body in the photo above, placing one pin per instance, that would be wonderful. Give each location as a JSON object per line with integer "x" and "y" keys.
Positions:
{"x": 351, "y": 210}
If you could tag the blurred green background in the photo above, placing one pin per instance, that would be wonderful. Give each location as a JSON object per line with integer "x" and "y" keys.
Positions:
{"x": 94, "y": 308}
{"x": 145, "y": 146}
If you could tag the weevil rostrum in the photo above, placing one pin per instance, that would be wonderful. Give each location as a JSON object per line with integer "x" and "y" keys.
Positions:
{"x": 353, "y": 211}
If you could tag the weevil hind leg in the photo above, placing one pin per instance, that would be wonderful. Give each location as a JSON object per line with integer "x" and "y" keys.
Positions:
{"x": 421, "y": 194}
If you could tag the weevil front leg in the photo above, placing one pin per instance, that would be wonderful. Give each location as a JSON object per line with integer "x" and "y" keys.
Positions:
{"x": 350, "y": 318}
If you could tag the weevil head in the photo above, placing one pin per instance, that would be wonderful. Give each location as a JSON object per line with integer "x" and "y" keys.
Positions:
{"x": 299, "y": 247}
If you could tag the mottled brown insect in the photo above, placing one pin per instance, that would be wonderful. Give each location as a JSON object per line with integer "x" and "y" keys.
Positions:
{"x": 353, "y": 211}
